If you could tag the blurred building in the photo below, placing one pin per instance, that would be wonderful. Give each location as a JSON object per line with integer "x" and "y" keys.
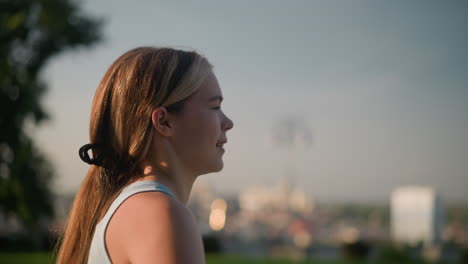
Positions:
{"x": 416, "y": 215}
{"x": 279, "y": 197}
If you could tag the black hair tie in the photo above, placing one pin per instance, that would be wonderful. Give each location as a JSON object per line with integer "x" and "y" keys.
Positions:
{"x": 95, "y": 160}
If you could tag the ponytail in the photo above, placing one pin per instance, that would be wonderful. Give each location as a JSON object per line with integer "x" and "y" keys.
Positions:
{"x": 82, "y": 220}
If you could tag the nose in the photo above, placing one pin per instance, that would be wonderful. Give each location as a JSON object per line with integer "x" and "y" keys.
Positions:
{"x": 227, "y": 124}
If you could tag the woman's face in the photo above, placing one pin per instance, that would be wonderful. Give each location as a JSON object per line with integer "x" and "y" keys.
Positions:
{"x": 200, "y": 129}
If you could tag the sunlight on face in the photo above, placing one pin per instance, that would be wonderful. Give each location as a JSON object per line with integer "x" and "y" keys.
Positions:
{"x": 201, "y": 129}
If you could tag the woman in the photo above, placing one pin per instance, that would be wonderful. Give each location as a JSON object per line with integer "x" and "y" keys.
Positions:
{"x": 156, "y": 125}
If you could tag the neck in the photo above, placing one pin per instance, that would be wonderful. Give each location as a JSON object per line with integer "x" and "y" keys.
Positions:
{"x": 178, "y": 181}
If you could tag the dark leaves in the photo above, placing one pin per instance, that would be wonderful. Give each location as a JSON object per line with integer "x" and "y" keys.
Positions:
{"x": 31, "y": 33}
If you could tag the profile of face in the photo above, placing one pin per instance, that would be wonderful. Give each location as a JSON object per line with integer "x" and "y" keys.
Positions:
{"x": 199, "y": 131}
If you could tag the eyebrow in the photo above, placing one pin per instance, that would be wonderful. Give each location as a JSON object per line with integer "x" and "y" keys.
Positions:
{"x": 217, "y": 97}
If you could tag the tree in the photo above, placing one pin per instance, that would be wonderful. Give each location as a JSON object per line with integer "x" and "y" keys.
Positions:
{"x": 31, "y": 33}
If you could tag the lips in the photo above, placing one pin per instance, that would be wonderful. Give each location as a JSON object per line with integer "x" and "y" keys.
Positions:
{"x": 221, "y": 143}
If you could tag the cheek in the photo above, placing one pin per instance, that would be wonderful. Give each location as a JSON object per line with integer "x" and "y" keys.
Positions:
{"x": 198, "y": 132}
{"x": 205, "y": 131}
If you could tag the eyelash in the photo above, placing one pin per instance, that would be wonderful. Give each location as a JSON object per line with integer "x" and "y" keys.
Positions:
{"x": 216, "y": 108}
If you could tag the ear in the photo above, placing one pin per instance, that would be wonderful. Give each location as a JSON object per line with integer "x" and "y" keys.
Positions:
{"x": 160, "y": 119}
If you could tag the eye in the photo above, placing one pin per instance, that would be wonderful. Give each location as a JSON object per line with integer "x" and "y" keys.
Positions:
{"x": 216, "y": 108}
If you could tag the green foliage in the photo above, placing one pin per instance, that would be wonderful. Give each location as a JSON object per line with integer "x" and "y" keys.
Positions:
{"x": 31, "y": 33}
{"x": 358, "y": 250}
{"x": 45, "y": 258}
{"x": 398, "y": 255}
{"x": 26, "y": 258}
{"x": 464, "y": 255}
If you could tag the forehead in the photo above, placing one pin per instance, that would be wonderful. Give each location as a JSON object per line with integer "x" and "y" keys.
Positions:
{"x": 209, "y": 88}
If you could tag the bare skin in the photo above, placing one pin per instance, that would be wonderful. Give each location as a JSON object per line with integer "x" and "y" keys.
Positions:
{"x": 152, "y": 227}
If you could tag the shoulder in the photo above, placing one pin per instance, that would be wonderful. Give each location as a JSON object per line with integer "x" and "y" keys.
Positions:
{"x": 153, "y": 227}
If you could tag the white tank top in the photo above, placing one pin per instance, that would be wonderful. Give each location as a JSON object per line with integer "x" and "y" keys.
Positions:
{"x": 98, "y": 250}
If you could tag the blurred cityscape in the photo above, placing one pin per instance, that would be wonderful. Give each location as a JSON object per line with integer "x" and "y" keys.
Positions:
{"x": 383, "y": 83}
{"x": 283, "y": 221}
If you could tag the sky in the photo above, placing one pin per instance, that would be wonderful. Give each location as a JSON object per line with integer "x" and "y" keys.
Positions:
{"x": 374, "y": 92}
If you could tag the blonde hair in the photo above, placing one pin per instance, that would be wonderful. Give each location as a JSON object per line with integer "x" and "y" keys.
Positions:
{"x": 139, "y": 81}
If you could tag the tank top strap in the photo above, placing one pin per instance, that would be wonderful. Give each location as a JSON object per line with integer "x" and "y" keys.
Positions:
{"x": 134, "y": 188}
{"x": 98, "y": 251}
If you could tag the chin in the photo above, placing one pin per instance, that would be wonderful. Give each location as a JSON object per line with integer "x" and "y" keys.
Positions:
{"x": 218, "y": 166}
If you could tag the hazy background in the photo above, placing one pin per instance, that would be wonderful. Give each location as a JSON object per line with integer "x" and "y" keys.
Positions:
{"x": 382, "y": 87}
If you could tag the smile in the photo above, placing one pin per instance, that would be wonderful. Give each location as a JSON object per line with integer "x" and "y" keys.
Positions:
{"x": 220, "y": 147}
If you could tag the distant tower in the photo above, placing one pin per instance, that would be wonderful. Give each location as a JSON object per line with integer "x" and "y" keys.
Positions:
{"x": 416, "y": 215}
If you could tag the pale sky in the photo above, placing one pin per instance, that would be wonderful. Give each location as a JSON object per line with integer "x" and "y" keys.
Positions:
{"x": 382, "y": 86}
